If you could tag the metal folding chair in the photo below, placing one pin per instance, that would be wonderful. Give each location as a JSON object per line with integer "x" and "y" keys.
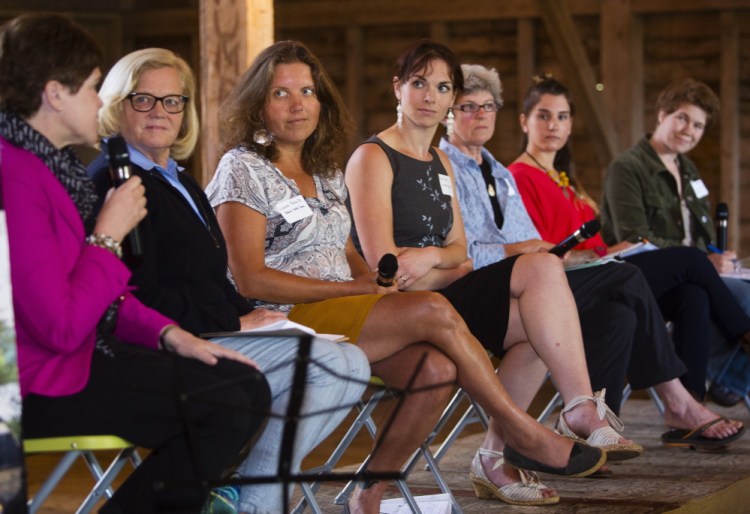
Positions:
{"x": 364, "y": 420}
{"x": 473, "y": 414}
{"x": 81, "y": 446}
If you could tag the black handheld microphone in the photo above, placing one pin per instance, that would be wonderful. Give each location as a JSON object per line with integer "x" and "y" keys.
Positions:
{"x": 587, "y": 230}
{"x": 387, "y": 268}
{"x": 722, "y": 216}
{"x": 119, "y": 167}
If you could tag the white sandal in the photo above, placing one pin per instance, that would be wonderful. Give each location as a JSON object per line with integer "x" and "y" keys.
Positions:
{"x": 529, "y": 491}
{"x": 605, "y": 437}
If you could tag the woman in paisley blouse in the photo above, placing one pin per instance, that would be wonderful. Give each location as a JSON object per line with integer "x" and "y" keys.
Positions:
{"x": 280, "y": 200}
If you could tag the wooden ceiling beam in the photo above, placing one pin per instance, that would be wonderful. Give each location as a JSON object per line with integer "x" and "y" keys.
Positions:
{"x": 335, "y": 13}
{"x": 569, "y": 50}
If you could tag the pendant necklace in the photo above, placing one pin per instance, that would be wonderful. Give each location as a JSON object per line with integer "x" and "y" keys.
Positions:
{"x": 563, "y": 182}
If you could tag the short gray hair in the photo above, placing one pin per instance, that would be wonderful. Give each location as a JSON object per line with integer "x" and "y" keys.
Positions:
{"x": 479, "y": 78}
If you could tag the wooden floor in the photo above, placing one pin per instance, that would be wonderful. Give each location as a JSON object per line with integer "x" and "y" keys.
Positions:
{"x": 662, "y": 480}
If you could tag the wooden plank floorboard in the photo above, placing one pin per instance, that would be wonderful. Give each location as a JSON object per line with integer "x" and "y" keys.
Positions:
{"x": 661, "y": 480}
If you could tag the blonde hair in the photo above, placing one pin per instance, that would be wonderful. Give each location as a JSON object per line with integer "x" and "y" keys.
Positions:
{"x": 122, "y": 80}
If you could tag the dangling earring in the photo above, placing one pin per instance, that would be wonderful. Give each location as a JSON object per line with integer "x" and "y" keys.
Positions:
{"x": 399, "y": 115}
{"x": 262, "y": 137}
{"x": 449, "y": 122}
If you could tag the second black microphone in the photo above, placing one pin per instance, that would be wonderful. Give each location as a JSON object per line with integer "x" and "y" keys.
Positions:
{"x": 387, "y": 268}
{"x": 119, "y": 165}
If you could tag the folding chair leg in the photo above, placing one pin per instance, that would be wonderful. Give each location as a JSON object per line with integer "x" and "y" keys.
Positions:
{"x": 96, "y": 469}
{"x": 440, "y": 478}
{"x": 473, "y": 414}
{"x": 343, "y": 496}
{"x": 554, "y": 403}
{"x": 654, "y": 396}
{"x": 308, "y": 500}
{"x": 363, "y": 419}
{"x": 49, "y": 485}
{"x": 105, "y": 480}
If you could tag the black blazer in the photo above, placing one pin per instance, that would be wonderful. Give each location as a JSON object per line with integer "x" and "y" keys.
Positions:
{"x": 183, "y": 271}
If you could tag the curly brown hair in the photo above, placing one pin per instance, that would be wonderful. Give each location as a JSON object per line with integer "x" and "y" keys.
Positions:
{"x": 241, "y": 114}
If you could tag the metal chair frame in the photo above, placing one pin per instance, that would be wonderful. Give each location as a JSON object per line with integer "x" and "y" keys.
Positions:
{"x": 364, "y": 420}
{"x": 81, "y": 446}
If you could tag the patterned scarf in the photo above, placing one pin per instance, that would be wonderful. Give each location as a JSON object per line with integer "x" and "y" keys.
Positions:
{"x": 72, "y": 175}
{"x": 64, "y": 163}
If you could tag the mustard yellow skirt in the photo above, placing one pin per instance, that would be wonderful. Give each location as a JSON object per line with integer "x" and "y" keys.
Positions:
{"x": 345, "y": 315}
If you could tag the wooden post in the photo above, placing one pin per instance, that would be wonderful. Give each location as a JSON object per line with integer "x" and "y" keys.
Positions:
{"x": 232, "y": 33}
{"x": 729, "y": 118}
{"x": 621, "y": 64}
{"x": 354, "y": 81}
{"x": 525, "y": 64}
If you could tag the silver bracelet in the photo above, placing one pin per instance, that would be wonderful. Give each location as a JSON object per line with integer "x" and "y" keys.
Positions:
{"x": 163, "y": 335}
{"x": 106, "y": 242}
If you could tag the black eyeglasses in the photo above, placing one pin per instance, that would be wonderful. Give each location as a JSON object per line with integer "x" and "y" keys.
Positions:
{"x": 144, "y": 102}
{"x": 472, "y": 107}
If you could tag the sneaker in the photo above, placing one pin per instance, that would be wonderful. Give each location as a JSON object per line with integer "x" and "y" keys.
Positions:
{"x": 723, "y": 395}
{"x": 222, "y": 500}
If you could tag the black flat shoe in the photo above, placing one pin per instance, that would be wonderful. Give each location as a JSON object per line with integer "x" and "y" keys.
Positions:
{"x": 583, "y": 461}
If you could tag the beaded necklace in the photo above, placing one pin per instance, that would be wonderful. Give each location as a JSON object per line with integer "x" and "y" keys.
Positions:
{"x": 562, "y": 180}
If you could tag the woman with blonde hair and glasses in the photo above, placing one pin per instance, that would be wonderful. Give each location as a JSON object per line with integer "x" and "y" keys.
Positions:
{"x": 92, "y": 358}
{"x": 149, "y": 99}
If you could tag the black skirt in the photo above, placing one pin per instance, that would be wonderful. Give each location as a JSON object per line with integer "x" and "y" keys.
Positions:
{"x": 482, "y": 298}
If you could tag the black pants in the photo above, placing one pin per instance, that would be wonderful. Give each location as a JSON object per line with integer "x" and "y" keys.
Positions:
{"x": 624, "y": 334}
{"x": 692, "y": 295}
{"x": 196, "y": 419}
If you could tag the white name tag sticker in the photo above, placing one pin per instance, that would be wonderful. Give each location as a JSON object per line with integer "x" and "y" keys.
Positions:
{"x": 294, "y": 209}
{"x": 700, "y": 189}
{"x": 511, "y": 190}
{"x": 445, "y": 185}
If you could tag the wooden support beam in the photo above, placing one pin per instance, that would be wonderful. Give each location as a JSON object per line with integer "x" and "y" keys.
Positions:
{"x": 729, "y": 162}
{"x": 232, "y": 33}
{"x": 439, "y": 32}
{"x": 293, "y": 14}
{"x": 354, "y": 92}
{"x": 582, "y": 81}
{"x": 525, "y": 57}
{"x": 621, "y": 64}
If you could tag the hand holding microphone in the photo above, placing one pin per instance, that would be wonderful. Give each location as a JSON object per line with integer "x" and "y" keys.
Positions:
{"x": 119, "y": 165}
{"x": 587, "y": 230}
{"x": 387, "y": 268}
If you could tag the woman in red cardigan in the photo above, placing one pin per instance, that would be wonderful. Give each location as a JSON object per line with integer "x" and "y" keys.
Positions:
{"x": 687, "y": 288}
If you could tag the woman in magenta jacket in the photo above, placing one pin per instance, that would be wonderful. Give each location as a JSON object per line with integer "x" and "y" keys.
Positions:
{"x": 92, "y": 359}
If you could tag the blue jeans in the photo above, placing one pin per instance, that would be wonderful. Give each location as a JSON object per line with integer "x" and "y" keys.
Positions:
{"x": 324, "y": 393}
{"x": 728, "y": 364}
